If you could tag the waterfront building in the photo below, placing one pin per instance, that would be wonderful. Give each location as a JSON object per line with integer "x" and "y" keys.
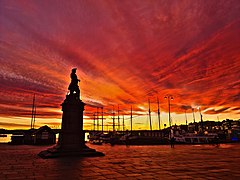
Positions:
{"x": 42, "y": 136}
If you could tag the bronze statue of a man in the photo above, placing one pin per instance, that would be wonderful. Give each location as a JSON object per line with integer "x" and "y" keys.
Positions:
{"x": 73, "y": 87}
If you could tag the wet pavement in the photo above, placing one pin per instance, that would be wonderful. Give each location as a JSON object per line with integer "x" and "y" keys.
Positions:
{"x": 121, "y": 162}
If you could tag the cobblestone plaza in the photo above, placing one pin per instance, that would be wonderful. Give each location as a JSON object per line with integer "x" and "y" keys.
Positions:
{"x": 121, "y": 162}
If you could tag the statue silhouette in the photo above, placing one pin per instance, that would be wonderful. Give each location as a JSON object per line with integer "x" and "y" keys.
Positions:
{"x": 71, "y": 138}
{"x": 73, "y": 87}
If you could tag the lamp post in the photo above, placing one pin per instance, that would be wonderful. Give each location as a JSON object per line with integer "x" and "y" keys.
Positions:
{"x": 201, "y": 118}
{"x": 195, "y": 129}
{"x": 186, "y": 117}
{"x": 169, "y": 98}
{"x": 193, "y": 115}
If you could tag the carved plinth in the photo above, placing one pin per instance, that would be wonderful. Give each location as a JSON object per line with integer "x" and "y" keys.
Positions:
{"x": 71, "y": 140}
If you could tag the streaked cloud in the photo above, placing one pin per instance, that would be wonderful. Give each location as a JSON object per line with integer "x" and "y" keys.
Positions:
{"x": 125, "y": 52}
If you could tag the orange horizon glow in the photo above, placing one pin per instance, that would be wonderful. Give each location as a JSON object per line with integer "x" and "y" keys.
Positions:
{"x": 125, "y": 53}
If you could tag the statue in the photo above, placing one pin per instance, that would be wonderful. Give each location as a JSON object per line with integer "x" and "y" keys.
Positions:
{"x": 73, "y": 87}
{"x": 72, "y": 136}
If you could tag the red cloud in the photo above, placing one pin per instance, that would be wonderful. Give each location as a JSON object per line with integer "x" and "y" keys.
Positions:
{"x": 125, "y": 53}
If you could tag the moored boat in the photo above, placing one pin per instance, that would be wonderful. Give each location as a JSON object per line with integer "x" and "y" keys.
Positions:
{"x": 196, "y": 139}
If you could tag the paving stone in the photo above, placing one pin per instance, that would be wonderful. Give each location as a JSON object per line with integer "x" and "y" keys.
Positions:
{"x": 133, "y": 175}
{"x": 121, "y": 162}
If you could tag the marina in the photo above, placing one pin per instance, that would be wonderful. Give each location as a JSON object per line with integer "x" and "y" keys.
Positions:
{"x": 206, "y": 132}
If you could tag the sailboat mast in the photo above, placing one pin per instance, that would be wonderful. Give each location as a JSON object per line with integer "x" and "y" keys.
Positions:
{"x": 93, "y": 121}
{"x": 102, "y": 120}
{"x": 159, "y": 120}
{"x": 118, "y": 120}
{"x": 34, "y": 115}
{"x": 33, "y": 111}
{"x": 123, "y": 123}
{"x": 131, "y": 119}
{"x": 97, "y": 120}
{"x": 149, "y": 114}
{"x": 113, "y": 119}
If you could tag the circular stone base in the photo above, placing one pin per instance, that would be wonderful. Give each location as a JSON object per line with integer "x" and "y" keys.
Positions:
{"x": 58, "y": 152}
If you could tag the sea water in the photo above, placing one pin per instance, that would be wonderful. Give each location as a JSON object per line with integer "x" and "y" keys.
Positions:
{"x": 5, "y": 139}
{"x": 8, "y": 138}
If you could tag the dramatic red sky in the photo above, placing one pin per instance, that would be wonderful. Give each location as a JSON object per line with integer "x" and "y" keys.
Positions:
{"x": 125, "y": 52}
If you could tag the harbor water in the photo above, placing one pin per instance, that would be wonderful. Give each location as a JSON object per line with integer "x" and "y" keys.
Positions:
{"x": 6, "y": 139}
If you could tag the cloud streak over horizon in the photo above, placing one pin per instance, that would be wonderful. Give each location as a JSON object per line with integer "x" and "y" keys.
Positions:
{"x": 125, "y": 52}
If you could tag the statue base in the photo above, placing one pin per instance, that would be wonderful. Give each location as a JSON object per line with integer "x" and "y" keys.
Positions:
{"x": 71, "y": 139}
{"x": 57, "y": 152}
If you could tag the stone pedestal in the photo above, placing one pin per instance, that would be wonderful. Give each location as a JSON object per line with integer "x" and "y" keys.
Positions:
{"x": 71, "y": 139}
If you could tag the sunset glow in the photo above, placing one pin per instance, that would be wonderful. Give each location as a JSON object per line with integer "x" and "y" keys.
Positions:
{"x": 125, "y": 52}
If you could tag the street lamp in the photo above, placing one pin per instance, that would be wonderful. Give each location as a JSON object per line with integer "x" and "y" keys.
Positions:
{"x": 193, "y": 115}
{"x": 169, "y": 98}
{"x": 195, "y": 129}
{"x": 201, "y": 118}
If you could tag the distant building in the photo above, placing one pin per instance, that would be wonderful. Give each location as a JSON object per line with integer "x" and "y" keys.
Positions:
{"x": 42, "y": 136}
{"x": 17, "y": 139}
